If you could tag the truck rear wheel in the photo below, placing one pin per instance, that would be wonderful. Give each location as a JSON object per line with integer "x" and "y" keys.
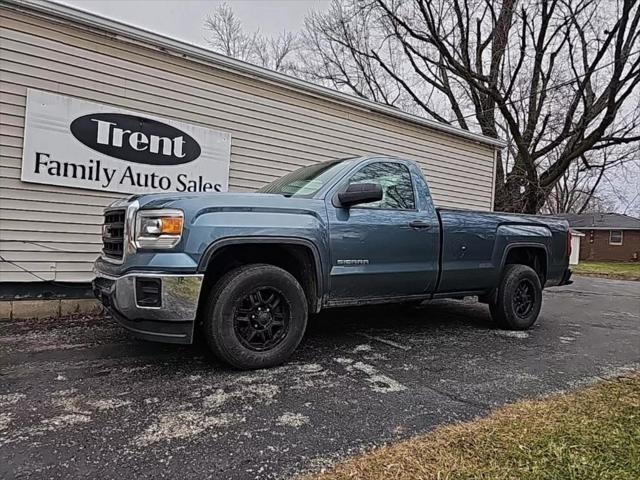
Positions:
{"x": 519, "y": 298}
{"x": 256, "y": 316}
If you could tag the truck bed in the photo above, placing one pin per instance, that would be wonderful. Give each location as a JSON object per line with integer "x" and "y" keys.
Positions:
{"x": 474, "y": 245}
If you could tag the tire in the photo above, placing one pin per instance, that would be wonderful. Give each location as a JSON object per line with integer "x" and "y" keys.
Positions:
{"x": 519, "y": 298}
{"x": 256, "y": 317}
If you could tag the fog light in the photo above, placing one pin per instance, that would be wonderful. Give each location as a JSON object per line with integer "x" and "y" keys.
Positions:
{"x": 148, "y": 292}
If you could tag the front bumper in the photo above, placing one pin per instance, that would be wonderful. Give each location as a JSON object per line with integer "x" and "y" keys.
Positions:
{"x": 172, "y": 321}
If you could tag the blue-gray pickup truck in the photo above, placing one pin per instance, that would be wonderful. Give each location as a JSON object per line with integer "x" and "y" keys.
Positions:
{"x": 244, "y": 270}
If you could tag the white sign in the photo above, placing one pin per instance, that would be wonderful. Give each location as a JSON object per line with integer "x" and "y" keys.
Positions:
{"x": 82, "y": 144}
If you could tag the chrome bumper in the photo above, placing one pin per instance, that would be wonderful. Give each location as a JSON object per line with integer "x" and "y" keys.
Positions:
{"x": 172, "y": 321}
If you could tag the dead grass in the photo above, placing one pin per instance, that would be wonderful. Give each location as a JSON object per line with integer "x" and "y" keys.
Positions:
{"x": 619, "y": 270}
{"x": 591, "y": 434}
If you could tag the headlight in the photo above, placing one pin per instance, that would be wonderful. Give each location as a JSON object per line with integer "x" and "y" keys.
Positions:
{"x": 158, "y": 228}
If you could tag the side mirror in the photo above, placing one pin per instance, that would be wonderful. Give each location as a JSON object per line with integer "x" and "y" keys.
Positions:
{"x": 360, "y": 193}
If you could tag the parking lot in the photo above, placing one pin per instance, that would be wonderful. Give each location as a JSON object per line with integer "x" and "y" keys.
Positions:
{"x": 81, "y": 398}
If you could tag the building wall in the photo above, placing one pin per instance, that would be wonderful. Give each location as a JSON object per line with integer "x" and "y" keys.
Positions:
{"x": 53, "y": 233}
{"x": 594, "y": 246}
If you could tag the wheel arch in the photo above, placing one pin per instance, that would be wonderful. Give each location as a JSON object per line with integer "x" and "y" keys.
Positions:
{"x": 298, "y": 256}
{"x": 534, "y": 255}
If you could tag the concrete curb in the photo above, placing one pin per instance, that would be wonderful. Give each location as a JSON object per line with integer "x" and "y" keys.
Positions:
{"x": 26, "y": 309}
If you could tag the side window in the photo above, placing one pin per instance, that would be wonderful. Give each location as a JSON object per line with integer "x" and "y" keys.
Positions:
{"x": 395, "y": 180}
{"x": 615, "y": 237}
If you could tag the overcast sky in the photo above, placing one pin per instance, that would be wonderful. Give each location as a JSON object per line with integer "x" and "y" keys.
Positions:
{"x": 183, "y": 19}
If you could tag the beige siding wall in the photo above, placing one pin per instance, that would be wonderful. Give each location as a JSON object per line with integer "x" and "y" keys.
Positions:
{"x": 52, "y": 233}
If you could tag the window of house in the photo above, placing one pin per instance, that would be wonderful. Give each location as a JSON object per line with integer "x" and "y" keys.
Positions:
{"x": 395, "y": 180}
{"x": 615, "y": 237}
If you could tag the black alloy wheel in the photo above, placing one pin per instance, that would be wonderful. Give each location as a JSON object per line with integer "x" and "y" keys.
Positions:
{"x": 261, "y": 319}
{"x": 524, "y": 298}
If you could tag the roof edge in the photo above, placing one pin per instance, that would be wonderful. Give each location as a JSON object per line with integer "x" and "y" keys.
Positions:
{"x": 181, "y": 48}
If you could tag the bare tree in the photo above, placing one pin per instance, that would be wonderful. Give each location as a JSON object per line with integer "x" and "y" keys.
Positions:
{"x": 226, "y": 35}
{"x": 558, "y": 79}
{"x": 338, "y": 64}
{"x": 587, "y": 185}
{"x": 622, "y": 189}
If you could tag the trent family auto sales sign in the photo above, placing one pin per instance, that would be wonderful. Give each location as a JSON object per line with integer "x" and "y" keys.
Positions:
{"x": 81, "y": 144}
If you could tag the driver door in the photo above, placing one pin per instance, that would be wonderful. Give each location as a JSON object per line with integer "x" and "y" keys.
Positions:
{"x": 383, "y": 249}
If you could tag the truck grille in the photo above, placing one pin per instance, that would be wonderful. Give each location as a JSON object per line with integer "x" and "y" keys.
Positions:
{"x": 113, "y": 234}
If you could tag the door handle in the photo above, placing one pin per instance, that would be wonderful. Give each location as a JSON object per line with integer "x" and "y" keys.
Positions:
{"x": 419, "y": 225}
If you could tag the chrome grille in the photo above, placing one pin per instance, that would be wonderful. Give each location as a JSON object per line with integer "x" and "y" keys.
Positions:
{"x": 113, "y": 233}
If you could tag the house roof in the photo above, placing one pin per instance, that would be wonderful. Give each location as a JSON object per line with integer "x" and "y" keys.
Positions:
{"x": 129, "y": 33}
{"x": 601, "y": 221}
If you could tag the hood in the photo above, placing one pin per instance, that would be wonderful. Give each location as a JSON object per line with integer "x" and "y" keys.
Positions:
{"x": 195, "y": 203}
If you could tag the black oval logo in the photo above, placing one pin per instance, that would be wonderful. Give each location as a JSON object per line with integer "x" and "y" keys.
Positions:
{"x": 135, "y": 139}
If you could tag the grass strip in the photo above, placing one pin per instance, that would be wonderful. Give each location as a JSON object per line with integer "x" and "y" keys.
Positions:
{"x": 593, "y": 433}
{"x": 619, "y": 270}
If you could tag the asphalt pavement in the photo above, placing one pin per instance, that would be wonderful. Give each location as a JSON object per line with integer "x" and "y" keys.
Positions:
{"x": 81, "y": 398}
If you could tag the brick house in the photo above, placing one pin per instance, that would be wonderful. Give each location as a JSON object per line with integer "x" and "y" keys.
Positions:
{"x": 607, "y": 236}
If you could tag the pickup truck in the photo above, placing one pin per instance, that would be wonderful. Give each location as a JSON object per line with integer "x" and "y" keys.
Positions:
{"x": 244, "y": 270}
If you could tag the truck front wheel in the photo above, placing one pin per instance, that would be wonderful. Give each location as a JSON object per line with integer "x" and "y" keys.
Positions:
{"x": 255, "y": 317}
{"x": 519, "y": 298}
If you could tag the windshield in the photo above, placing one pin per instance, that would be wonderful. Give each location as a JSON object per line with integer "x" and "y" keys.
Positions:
{"x": 305, "y": 181}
